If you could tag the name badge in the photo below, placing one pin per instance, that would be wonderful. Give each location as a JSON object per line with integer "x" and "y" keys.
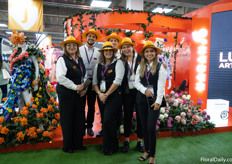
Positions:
{"x": 150, "y": 88}
{"x": 89, "y": 72}
{"x": 103, "y": 86}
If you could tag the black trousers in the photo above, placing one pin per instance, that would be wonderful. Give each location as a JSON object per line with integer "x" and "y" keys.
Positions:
{"x": 4, "y": 90}
{"x": 129, "y": 103}
{"x": 109, "y": 114}
{"x": 72, "y": 117}
{"x": 91, "y": 99}
{"x": 148, "y": 118}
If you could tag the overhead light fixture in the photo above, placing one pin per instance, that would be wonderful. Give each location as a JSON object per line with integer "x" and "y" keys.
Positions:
{"x": 161, "y": 10}
{"x": 100, "y": 3}
{"x": 3, "y": 25}
{"x": 9, "y": 32}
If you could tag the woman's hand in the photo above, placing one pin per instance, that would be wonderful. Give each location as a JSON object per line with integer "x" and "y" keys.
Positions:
{"x": 80, "y": 87}
{"x": 148, "y": 93}
{"x": 105, "y": 96}
{"x": 156, "y": 106}
{"x": 101, "y": 97}
{"x": 83, "y": 93}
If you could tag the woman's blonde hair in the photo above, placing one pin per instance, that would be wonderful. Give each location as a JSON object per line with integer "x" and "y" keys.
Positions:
{"x": 124, "y": 58}
{"x": 102, "y": 57}
{"x": 143, "y": 66}
{"x": 77, "y": 55}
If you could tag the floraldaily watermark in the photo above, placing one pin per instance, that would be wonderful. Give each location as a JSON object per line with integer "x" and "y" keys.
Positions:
{"x": 215, "y": 159}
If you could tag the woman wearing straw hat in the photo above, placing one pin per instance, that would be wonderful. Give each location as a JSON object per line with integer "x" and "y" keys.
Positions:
{"x": 70, "y": 74}
{"x": 107, "y": 78}
{"x": 90, "y": 56}
{"x": 115, "y": 40}
{"x": 131, "y": 61}
{"x": 150, "y": 82}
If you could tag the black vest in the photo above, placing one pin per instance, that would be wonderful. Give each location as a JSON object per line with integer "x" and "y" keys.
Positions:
{"x": 125, "y": 85}
{"x": 153, "y": 80}
{"x": 73, "y": 73}
{"x": 109, "y": 74}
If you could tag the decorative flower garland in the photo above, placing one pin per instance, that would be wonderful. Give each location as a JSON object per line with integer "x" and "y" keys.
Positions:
{"x": 14, "y": 59}
{"x": 94, "y": 13}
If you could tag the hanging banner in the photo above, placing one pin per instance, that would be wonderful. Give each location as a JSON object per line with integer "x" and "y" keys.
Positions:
{"x": 26, "y": 15}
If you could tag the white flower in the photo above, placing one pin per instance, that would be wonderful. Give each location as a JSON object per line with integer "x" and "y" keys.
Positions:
{"x": 162, "y": 110}
{"x": 184, "y": 96}
{"x": 188, "y": 97}
{"x": 165, "y": 115}
{"x": 161, "y": 116}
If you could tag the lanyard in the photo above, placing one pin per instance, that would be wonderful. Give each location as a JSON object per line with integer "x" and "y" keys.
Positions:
{"x": 103, "y": 72}
{"x": 79, "y": 64}
{"x": 89, "y": 60}
{"x": 131, "y": 69}
{"x": 147, "y": 75}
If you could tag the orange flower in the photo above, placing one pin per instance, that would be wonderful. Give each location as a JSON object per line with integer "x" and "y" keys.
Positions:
{"x": 25, "y": 108}
{"x": 4, "y": 99}
{"x": 17, "y": 38}
{"x": 20, "y": 136}
{"x": 4, "y": 130}
{"x": 51, "y": 128}
{"x": 2, "y": 140}
{"x": 39, "y": 130}
{"x": 27, "y": 104}
{"x": 52, "y": 99}
{"x": 57, "y": 115}
{"x": 16, "y": 119}
{"x": 56, "y": 103}
{"x": 39, "y": 115}
{"x": 54, "y": 121}
{"x": 43, "y": 110}
{"x": 23, "y": 121}
{"x": 45, "y": 134}
{"x": 24, "y": 112}
{"x": 1, "y": 120}
{"x": 51, "y": 134}
{"x": 34, "y": 106}
{"x": 32, "y": 99}
{"x": 50, "y": 108}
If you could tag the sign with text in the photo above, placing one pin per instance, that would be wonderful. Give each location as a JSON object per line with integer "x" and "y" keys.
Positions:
{"x": 26, "y": 15}
{"x": 220, "y": 64}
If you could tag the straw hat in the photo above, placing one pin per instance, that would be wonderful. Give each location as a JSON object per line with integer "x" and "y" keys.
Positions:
{"x": 126, "y": 41}
{"x": 115, "y": 36}
{"x": 108, "y": 46}
{"x": 93, "y": 32}
{"x": 71, "y": 39}
{"x": 149, "y": 44}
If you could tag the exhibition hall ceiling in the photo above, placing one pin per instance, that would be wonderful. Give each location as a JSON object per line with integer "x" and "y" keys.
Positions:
{"x": 56, "y": 10}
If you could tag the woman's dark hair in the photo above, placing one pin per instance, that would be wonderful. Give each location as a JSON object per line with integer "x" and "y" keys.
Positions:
{"x": 1, "y": 62}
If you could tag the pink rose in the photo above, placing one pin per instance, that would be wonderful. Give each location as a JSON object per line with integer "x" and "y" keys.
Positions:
{"x": 175, "y": 103}
{"x": 183, "y": 121}
{"x": 195, "y": 117}
{"x": 178, "y": 118}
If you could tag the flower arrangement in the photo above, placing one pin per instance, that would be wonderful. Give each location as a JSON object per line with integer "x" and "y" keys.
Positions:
{"x": 35, "y": 122}
{"x": 28, "y": 126}
{"x": 182, "y": 115}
